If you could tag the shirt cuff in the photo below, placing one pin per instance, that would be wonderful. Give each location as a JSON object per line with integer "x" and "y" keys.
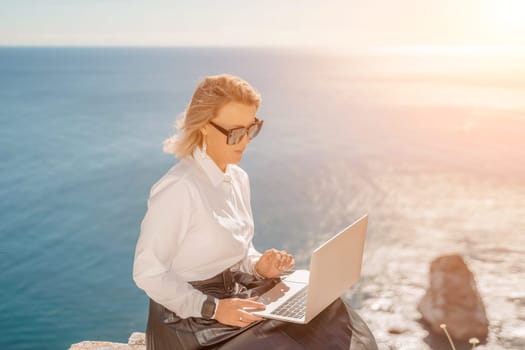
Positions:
{"x": 255, "y": 273}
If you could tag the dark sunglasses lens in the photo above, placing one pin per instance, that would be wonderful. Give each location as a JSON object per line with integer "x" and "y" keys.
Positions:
{"x": 254, "y": 130}
{"x": 236, "y": 136}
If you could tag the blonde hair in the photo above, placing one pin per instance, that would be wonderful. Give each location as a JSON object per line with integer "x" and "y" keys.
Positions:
{"x": 209, "y": 97}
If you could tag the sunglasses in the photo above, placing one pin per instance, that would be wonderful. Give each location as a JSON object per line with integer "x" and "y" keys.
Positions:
{"x": 235, "y": 135}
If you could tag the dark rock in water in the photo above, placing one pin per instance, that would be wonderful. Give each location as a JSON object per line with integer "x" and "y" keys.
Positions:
{"x": 453, "y": 299}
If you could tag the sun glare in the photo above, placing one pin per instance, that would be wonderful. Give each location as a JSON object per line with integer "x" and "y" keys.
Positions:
{"x": 507, "y": 17}
{"x": 510, "y": 14}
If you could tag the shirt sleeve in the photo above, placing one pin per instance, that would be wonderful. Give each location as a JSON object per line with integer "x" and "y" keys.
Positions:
{"x": 253, "y": 255}
{"x": 248, "y": 263}
{"x": 162, "y": 230}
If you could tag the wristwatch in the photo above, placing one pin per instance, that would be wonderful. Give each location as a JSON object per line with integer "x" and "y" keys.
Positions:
{"x": 208, "y": 307}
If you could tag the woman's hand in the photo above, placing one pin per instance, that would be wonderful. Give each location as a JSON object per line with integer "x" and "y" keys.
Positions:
{"x": 273, "y": 263}
{"x": 232, "y": 311}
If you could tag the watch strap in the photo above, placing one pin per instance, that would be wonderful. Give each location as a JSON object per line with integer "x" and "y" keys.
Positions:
{"x": 208, "y": 307}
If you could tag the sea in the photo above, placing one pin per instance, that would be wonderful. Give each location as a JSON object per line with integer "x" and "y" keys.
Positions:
{"x": 431, "y": 146}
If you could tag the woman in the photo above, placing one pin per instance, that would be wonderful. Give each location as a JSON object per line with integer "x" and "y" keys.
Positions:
{"x": 195, "y": 258}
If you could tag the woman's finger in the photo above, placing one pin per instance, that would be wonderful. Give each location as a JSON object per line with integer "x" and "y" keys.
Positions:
{"x": 249, "y": 317}
{"x": 270, "y": 252}
{"x": 290, "y": 261}
{"x": 270, "y": 255}
{"x": 244, "y": 318}
{"x": 285, "y": 261}
{"x": 250, "y": 304}
{"x": 282, "y": 264}
{"x": 291, "y": 264}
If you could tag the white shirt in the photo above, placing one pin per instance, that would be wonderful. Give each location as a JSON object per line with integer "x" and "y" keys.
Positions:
{"x": 198, "y": 223}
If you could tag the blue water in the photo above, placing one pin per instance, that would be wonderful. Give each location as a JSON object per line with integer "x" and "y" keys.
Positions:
{"x": 80, "y": 139}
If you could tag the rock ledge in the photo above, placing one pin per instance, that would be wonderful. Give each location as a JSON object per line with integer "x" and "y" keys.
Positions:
{"x": 136, "y": 341}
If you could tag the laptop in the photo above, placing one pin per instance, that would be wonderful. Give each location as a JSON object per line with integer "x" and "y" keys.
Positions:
{"x": 334, "y": 267}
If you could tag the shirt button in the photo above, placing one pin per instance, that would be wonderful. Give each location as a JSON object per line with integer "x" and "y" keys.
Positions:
{"x": 227, "y": 178}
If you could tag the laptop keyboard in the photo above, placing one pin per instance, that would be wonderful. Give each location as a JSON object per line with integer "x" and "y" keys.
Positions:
{"x": 295, "y": 307}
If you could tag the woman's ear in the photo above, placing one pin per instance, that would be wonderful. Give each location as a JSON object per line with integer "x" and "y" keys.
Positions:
{"x": 204, "y": 132}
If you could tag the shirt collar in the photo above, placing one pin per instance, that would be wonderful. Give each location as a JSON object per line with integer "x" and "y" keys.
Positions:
{"x": 210, "y": 168}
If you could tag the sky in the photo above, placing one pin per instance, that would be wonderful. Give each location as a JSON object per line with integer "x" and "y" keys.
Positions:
{"x": 350, "y": 24}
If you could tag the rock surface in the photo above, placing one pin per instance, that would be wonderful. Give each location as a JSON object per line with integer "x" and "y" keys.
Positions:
{"x": 135, "y": 342}
{"x": 453, "y": 299}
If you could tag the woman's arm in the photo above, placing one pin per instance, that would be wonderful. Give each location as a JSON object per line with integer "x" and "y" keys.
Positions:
{"x": 162, "y": 230}
{"x": 272, "y": 263}
{"x": 253, "y": 255}
{"x": 248, "y": 263}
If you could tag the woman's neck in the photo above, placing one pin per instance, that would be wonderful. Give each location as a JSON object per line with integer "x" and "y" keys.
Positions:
{"x": 221, "y": 166}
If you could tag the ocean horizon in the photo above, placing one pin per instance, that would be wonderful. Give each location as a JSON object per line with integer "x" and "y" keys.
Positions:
{"x": 430, "y": 146}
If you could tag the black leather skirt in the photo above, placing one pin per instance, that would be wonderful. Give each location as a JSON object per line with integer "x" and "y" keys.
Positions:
{"x": 336, "y": 327}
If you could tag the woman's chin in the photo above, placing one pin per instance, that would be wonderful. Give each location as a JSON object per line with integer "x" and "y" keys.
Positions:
{"x": 236, "y": 158}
